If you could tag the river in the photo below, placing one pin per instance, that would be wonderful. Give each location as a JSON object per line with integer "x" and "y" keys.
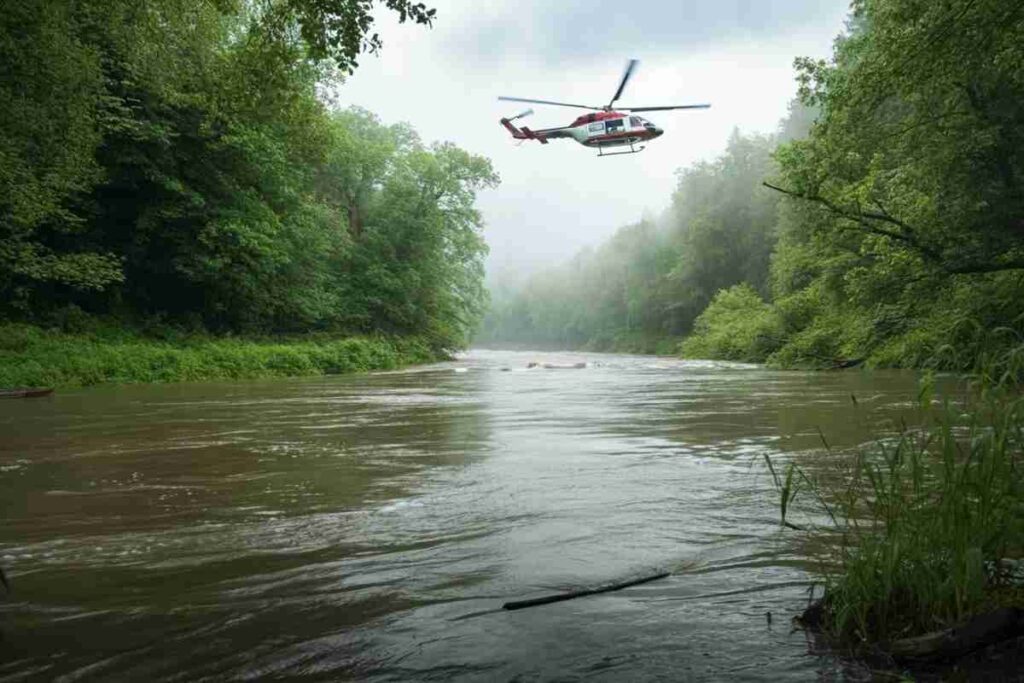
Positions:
{"x": 370, "y": 526}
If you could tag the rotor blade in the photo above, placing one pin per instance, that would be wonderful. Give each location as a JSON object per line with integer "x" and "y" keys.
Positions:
{"x": 678, "y": 106}
{"x": 557, "y": 104}
{"x": 630, "y": 67}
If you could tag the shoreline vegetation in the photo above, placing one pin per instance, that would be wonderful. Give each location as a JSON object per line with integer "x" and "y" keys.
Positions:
{"x": 32, "y": 357}
{"x": 183, "y": 198}
{"x": 919, "y": 540}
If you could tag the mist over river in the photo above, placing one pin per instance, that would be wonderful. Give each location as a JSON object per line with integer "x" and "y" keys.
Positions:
{"x": 371, "y": 526}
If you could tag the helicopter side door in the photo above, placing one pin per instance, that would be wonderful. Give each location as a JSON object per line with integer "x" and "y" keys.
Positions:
{"x": 614, "y": 126}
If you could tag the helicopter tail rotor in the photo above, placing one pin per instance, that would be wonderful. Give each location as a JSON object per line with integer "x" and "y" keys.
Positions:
{"x": 526, "y": 113}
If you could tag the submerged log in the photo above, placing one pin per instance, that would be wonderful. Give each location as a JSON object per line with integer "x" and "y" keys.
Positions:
{"x": 976, "y": 632}
{"x": 557, "y": 366}
{"x": 813, "y": 616}
{"x": 844, "y": 363}
{"x": 26, "y": 392}
{"x": 548, "y": 599}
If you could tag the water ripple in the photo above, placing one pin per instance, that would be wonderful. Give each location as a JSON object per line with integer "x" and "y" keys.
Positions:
{"x": 370, "y": 527}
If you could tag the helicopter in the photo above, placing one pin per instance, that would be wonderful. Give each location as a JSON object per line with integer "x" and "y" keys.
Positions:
{"x": 604, "y": 128}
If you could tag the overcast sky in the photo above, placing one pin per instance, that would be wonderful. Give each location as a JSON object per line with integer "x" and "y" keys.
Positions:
{"x": 556, "y": 198}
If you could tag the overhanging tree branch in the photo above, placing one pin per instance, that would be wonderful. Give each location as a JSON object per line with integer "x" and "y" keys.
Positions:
{"x": 978, "y": 268}
{"x": 867, "y": 220}
{"x": 907, "y": 234}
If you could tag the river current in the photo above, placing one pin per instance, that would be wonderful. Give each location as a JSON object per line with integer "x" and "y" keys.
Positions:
{"x": 370, "y": 527}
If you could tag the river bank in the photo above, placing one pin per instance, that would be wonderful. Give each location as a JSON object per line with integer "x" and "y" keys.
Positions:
{"x": 918, "y": 536}
{"x": 33, "y": 356}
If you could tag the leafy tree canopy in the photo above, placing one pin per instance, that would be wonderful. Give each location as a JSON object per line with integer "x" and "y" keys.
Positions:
{"x": 173, "y": 161}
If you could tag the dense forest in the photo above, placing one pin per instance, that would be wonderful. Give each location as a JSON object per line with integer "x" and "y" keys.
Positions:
{"x": 883, "y": 221}
{"x": 177, "y": 164}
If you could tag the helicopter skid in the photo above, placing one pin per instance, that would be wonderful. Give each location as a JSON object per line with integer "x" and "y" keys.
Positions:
{"x": 631, "y": 150}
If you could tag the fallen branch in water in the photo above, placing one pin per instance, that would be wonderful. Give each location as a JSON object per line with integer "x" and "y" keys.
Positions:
{"x": 977, "y": 632}
{"x": 520, "y": 604}
{"x": 844, "y": 363}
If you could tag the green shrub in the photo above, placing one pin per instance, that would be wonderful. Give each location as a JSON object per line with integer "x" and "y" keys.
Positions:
{"x": 736, "y": 325}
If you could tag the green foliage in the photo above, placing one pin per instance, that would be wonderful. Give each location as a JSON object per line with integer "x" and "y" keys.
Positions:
{"x": 31, "y": 356}
{"x": 906, "y": 222}
{"x": 737, "y": 325}
{"x": 339, "y": 29}
{"x": 50, "y": 101}
{"x": 725, "y": 225}
{"x": 918, "y": 150}
{"x": 921, "y": 527}
{"x": 172, "y": 160}
{"x": 902, "y": 243}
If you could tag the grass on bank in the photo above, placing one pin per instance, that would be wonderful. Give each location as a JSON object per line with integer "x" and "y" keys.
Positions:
{"x": 925, "y": 529}
{"x": 974, "y": 320}
{"x": 32, "y": 356}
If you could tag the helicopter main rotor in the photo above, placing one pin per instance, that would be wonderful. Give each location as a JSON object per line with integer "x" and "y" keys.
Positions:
{"x": 626, "y": 75}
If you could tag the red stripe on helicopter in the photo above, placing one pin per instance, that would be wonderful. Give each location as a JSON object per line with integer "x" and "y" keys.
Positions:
{"x": 597, "y": 116}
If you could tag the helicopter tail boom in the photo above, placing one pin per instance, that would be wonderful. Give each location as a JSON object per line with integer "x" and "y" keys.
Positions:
{"x": 516, "y": 133}
{"x": 524, "y": 133}
{"x": 531, "y": 135}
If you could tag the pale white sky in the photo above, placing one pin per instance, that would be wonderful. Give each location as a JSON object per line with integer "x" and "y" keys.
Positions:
{"x": 556, "y": 198}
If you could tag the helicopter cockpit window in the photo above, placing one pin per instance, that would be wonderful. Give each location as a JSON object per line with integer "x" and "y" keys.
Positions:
{"x": 636, "y": 122}
{"x": 596, "y": 127}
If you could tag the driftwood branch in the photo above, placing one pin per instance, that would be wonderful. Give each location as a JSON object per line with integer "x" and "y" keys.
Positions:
{"x": 977, "y": 632}
{"x": 548, "y": 599}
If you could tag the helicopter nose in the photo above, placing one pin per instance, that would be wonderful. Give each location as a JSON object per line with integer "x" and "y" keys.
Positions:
{"x": 658, "y": 132}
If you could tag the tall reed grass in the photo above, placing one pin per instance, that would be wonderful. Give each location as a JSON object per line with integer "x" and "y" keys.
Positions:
{"x": 923, "y": 527}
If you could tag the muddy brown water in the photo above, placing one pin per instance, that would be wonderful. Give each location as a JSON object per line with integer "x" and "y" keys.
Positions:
{"x": 369, "y": 527}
